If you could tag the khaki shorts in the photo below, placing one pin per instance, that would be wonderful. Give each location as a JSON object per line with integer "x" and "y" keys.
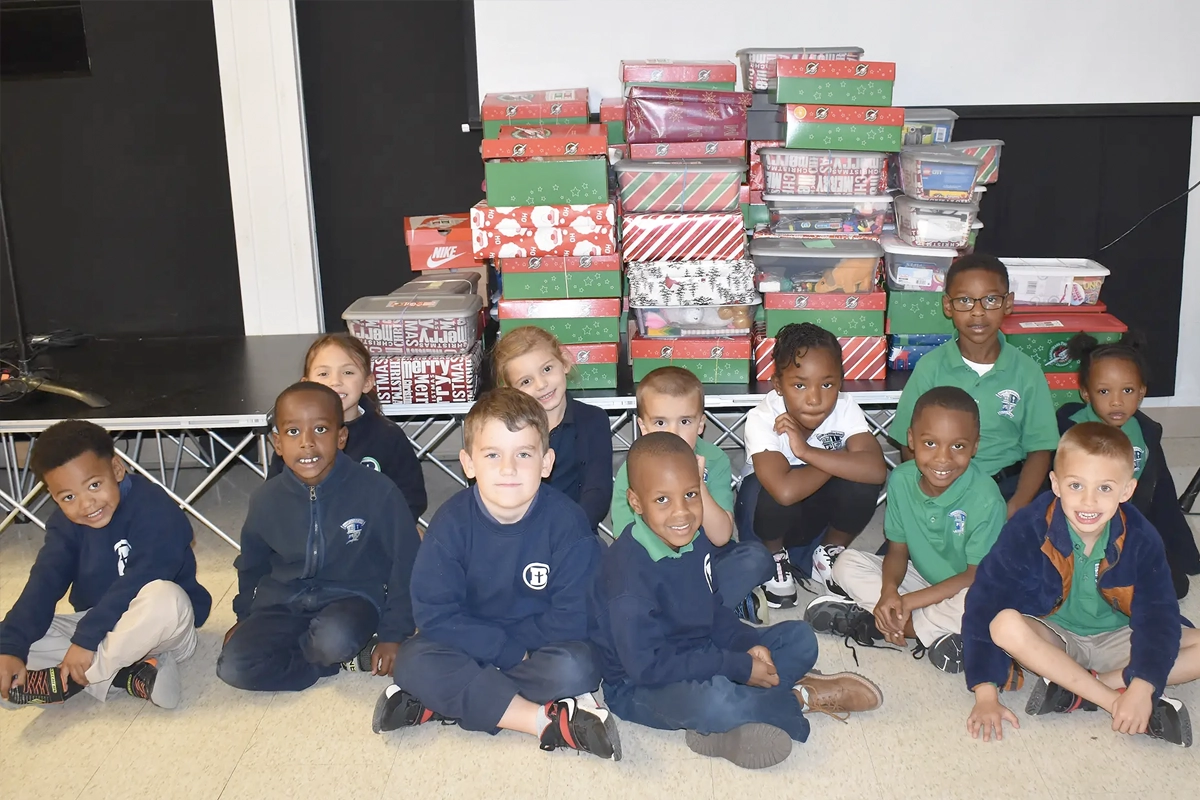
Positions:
{"x": 1102, "y": 652}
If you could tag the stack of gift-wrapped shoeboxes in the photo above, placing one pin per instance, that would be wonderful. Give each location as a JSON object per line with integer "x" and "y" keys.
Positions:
{"x": 424, "y": 337}
{"x": 818, "y": 256}
{"x": 549, "y": 224}
{"x": 691, "y": 287}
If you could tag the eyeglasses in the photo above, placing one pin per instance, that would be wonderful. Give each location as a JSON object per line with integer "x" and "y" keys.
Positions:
{"x": 990, "y": 303}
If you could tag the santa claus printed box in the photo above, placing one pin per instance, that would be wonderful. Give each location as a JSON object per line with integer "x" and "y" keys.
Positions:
{"x": 427, "y": 379}
{"x": 528, "y": 231}
{"x": 595, "y": 366}
{"x": 864, "y": 358}
{"x": 572, "y": 321}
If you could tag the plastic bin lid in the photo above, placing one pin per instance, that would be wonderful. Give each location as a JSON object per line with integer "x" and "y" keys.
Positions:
{"x": 798, "y": 50}
{"x": 682, "y": 165}
{"x": 971, "y": 143}
{"x": 939, "y": 156}
{"x": 1066, "y": 323}
{"x": 823, "y": 153}
{"x": 1070, "y": 267}
{"x": 891, "y": 243}
{"x": 448, "y": 283}
{"x": 390, "y": 307}
{"x": 831, "y": 200}
{"x": 784, "y": 247}
{"x": 912, "y": 202}
{"x": 928, "y": 114}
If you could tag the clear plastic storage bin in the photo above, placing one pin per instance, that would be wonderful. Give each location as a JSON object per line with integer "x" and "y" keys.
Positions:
{"x": 928, "y": 125}
{"x": 825, "y": 215}
{"x": 841, "y": 172}
{"x": 441, "y": 284}
{"x": 939, "y": 175}
{"x": 758, "y": 63}
{"x": 1055, "y": 281}
{"x": 401, "y": 325}
{"x": 923, "y": 223}
{"x": 919, "y": 269}
{"x": 672, "y": 322}
{"x": 850, "y": 266}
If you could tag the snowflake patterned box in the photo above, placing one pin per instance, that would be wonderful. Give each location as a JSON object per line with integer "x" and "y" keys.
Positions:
{"x": 760, "y": 65}
{"x": 658, "y": 114}
{"x": 843, "y": 127}
{"x": 612, "y": 116}
{"x": 864, "y": 358}
{"x": 683, "y": 237}
{"x": 560, "y": 277}
{"x": 840, "y": 314}
{"x": 917, "y": 312}
{"x": 572, "y": 321}
{"x": 679, "y": 186}
{"x": 844, "y": 83}
{"x": 1044, "y": 337}
{"x": 410, "y": 326}
{"x": 428, "y": 379}
{"x": 808, "y": 172}
{"x": 527, "y": 231}
{"x": 691, "y": 283}
{"x": 710, "y": 360}
{"x": 595, "y": 366}
{"x": 542, "y": 107}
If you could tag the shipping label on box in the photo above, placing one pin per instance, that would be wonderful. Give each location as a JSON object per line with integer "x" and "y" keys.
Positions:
{"x": 727, "y": 149}
{"x": 1044, "y": 339}
{"x": 712, "y": 360}
{"x": 665, "y": 70}
{"x": 526, "y": 231}
{"x": 844, "y": 128}
{"x": 427, "y": 379}
{"x": 547, "y": 140}
{"x": 561, "y": 277}
{"x": 684, "y": 237}
{"x": 846, "y": 83}
{"x": 917, "y": 312}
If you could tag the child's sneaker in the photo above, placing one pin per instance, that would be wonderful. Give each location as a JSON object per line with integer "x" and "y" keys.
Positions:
{"x": 1048, "y": 697}
{"x": 834, "y": 615}
{"x": 838, "y": 695}
{"x": 780, "y": 590}
{"x": 43, "y": 687}
{"x": 754, "y": 608}
{"x": 362, "y": 661}
{"x": 1170, "y": 722}
{"x": 1015, "y": 679}
{"x": 754, "y": 745}
{"x": 155, "y": 679}
{"x": 946, "y": 653}
{"x": 581, "y": 724}
{"x": 822, "y": 570}
{"x": 396, "y": 709}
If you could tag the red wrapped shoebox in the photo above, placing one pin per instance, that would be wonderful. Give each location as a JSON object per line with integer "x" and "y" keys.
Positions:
{"x": 665, "y": 70}
{"x": 656, "y": 114}
{"x": 560, "y": 141}
{"x": 527, "y": 231}
{"x": 439, "y": 242}
{"x": 683, "y": 237}
{"x": 727, "y": 149}
{"x": 864, "y": 358}
{"x": 612, "y": 109}
{"x": 427, "y": 379}
{"x": 542, "y": 106}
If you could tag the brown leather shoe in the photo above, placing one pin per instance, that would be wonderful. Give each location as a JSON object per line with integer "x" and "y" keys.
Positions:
{"x": 839, "y": 694}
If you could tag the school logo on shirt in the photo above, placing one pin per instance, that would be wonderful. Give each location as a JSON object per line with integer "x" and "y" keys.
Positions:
{"x": 121, "y": 548}
{"x": 833, "y": 440}
{"x": 1008, "y": 402}
{"x": 708, "y": 572}
{"x": 960, "y": 521}
{"x": 353, "y": 528}
{"x": 536, "y": 575}
{"x": 370, "y": 462}
{"x": 1138, "y": 455}
{"x": 704, "y": 477}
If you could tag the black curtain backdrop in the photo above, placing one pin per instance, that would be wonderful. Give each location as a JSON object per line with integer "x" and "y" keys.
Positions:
{"x": 117, "y": 184}
{"x": 385, "y": 91}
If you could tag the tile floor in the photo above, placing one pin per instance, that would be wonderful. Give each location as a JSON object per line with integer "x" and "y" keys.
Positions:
{"x": 226, "y": 744}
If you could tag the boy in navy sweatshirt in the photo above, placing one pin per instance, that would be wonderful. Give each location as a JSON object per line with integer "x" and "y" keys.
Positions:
{"x": 124, "y": 548}
{"x": 500, "y": 596}
{"x": 674, "y": 656}
{"x": 327, "y": 551}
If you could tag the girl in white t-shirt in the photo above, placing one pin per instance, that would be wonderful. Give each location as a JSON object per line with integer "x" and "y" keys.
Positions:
{"x": 812, "y": 464}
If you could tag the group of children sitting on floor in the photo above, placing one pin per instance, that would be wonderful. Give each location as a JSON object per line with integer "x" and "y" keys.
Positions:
{"x": 510, "y": 613}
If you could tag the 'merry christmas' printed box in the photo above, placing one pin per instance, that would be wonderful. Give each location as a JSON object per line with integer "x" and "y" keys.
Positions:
{"x": 427, "y": 379}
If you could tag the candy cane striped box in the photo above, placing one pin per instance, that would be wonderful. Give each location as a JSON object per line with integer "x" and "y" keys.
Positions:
{"x": 683, "y": 237}
{"x": 864, "y": 358}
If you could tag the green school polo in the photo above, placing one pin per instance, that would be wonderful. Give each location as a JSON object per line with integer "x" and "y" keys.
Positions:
{"x": 656, "y": 547}
{"x": 1016, "y": 415}
{"x": 1132, "y": 428}
{"x": 1085, "y": 612}
{"x": 947, "y": 533}
{"x": 717, "y": 478}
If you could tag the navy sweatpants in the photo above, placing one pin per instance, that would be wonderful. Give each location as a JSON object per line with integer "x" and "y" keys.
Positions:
{"x": 458, "y": 687}
{"x": 740, "y": 566}
{"x": 718, "y": 705}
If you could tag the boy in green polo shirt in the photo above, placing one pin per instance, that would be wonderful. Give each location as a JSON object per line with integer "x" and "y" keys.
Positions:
{"x": 943, "y": 514}
{"x": 1017, "y": 427}
{"x": 671, "y": 399}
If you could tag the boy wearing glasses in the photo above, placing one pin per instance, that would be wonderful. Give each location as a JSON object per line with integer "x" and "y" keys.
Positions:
{"x": 1017, "y": 434}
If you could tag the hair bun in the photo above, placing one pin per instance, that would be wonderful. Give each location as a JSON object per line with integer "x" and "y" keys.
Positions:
{"x": 1134, "y": 340}
{"x": 1081, "y": 345}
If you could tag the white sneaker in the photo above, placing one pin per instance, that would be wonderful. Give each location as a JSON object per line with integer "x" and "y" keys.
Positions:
{"x": 781, "y": 589}
{"x": 823, "y": 558}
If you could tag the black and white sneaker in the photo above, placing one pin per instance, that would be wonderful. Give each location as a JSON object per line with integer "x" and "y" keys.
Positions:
{"x": 946, "y": 653}
{"x": 580, "y": 723}
{"x": 1170, "y": 722}
{"x": 1047, "y": 697}
{"x": 396, "y": 709}
{"x": 822, "y": 569}
{"x": 841, "y": 617}
{"x": 780, "y": 590}
{"x": 753, "y": 608}
{"x": 362, "y": 661}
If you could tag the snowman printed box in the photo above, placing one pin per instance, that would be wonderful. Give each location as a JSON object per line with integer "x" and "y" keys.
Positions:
{"x": 528, "y": 231}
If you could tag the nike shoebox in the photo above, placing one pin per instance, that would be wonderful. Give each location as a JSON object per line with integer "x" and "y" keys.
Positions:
{"x": 442, "y": 241}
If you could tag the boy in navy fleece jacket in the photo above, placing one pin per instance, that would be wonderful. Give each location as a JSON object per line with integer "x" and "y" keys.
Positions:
{"x": 500, "y": 597}
{"x": 674, "y": 656}
{"x": 327, "y": 551}
{"x": 124, "y": 548}
{"x": 1078, "y": 590}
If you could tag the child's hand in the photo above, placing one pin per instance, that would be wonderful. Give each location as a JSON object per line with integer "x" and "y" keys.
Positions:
{"x": 890, "y": 617}
{"x": 75, "y": 664}
{"x": 12, "y": 673}
{"x": 797, "y": 439}
{"x": 761, "y": 653}
{"x": 762, "y": 673}
{"x": 383, "y": 658}
{"x": 1012, "y": 508}
{"x": 988, "y": 716}
{"x": 700, "y": 464}
{"x": 1131, "y": 712}
{"x": 229, "y": 633}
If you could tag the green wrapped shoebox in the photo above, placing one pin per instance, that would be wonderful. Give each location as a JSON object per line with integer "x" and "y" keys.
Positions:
{"x": 843, "y": 83}
{"x": 595, "y": 366}
{"x": 724, "y": 360}
{"x": 561, "y": 277}
{"x": 1044, "y": 337}
{"x": 840, "y": 314}
{"x": 572, "y": 321}
{"x": 813, "y": 127}
{"x": 917, "y": 312}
